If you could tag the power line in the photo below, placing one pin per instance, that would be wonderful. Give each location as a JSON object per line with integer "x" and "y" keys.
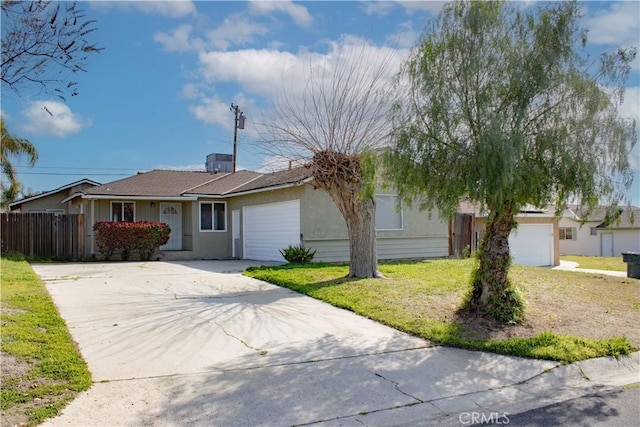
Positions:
{"x": 76, "y": 168}
{"x": 74, "y": 174}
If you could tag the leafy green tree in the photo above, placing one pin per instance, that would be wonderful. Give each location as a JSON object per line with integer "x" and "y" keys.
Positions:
{"x": 12, "y": 147}
{"x": 502, "y": 106}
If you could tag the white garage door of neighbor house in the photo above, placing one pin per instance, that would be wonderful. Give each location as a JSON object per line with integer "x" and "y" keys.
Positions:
{"x": 269, "y": 228}
{"x": 532, "y": 244}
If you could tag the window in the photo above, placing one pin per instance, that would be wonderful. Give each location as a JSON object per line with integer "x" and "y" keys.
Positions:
{"x": 593, "y": 231}
{"x": 388, "y": 217}
{"x": 123, "y": 211}
{"x": 213, "y": 216}
{"x": 567, "y": 233}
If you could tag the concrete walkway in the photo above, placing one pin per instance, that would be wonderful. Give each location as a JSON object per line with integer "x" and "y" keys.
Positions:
{"x": 196, "y": 343}
{"x": 573, "y": 266}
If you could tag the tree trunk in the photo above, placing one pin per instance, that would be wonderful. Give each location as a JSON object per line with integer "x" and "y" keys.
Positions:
{"x": 362, "y": 239}
{"x": 342, "y": 178}
{"x": 492, "y": 293}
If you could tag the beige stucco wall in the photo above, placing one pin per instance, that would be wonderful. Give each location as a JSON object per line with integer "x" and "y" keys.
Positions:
{"x": 145, "y": 210}
{"x": 54, "y": 201}
{"x": 584, "y": 243}
{"x": 321, "y": 225}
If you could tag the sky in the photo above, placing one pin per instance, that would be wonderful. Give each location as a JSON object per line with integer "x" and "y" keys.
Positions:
{"x": 158, "y": 96}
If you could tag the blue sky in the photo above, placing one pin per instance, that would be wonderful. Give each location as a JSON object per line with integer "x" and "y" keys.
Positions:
{"x": 158, "y": 96}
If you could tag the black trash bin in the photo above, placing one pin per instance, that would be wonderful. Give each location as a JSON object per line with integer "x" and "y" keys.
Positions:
{"x": 633, "y": 264}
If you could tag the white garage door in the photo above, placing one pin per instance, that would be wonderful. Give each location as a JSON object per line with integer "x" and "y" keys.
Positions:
{"x": 532, "y": 244}
{"x": 269, "y": 228}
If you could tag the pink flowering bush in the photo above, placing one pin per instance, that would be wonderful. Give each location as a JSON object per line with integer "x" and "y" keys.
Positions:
{"x": 142, "y": 237}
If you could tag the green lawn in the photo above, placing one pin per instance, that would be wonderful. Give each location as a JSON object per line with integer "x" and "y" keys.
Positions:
{"x": 597, "y": 262}
{"x": 42, "y": 369}
{"x": 421, "y": 298}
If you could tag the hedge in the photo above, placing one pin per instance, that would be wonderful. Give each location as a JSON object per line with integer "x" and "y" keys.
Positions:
{"x": 142, "y": 237}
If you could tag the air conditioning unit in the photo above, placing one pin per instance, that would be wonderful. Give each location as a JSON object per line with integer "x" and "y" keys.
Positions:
{"x": 217, "y": 162}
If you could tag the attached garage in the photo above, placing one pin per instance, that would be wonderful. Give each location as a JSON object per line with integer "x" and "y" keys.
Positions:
{"x": 532, "y": 244}
{"x": 269, "y": 228}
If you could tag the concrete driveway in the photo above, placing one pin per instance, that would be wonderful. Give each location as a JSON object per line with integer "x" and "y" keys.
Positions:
{"x": 197, "y": 343}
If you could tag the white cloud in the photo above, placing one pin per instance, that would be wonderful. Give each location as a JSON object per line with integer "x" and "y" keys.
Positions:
{"x": 190, "y": 91}
{"x": 52, "y": 118}
{"x": 298, "y": 13}
{"x": 630, "y": 107}
{"x": 214, "y": 110}
{"x": 236, "y": 30}
{"x": 265, "y": 72}
{"x": 179, "y": 40}
{"x": 616, "y": 25}
{"x": 431, "y": 6}
{"x": 378, "y": 8}
{"x": 172, "y": 9}
{"x": 405, "y": 37}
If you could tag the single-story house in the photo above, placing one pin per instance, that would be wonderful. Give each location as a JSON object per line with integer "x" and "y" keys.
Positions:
{"x": 251, "y": 215}
{"x": 535, "y": 240}
{"x": 595, "y": 233}
{"x": 60, "y": 200}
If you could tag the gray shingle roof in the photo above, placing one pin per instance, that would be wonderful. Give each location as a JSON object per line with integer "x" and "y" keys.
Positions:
{"x": 170, "y": 183}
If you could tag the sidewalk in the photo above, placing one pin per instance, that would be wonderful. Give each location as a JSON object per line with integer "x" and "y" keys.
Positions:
{"x": 573, "y": 266}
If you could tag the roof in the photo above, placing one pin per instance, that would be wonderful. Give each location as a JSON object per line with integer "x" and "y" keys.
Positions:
{"x": 607, "y": 217}
{"x": 628, "y": 217}
{"x": 475, "y": 208}
{"x": 179, "y": 184}
{"x": 57, "y": 190}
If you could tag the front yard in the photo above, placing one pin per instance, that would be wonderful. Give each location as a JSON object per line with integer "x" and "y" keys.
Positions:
{"x": 569, "y": 316}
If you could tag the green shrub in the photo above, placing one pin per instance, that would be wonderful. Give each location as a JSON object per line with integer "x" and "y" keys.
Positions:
{"x": 141, "y": 237}
{"x": 297, "y": 254}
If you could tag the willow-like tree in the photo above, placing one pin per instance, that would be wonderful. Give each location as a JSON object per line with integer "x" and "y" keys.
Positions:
{"x": 334, "y": 121}
{"x": 502, "y": 106}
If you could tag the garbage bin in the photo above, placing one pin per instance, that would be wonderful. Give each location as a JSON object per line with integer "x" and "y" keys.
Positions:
{"x": 633, "y": 264}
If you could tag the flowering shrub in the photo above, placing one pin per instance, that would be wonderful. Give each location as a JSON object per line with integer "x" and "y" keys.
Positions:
{"x": 141, "y": 237}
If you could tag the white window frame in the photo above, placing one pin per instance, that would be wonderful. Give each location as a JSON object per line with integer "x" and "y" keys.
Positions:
{"x": 213, "y": 224}
{"x": 400, "y": 212}
{"x": 123, "y": 202}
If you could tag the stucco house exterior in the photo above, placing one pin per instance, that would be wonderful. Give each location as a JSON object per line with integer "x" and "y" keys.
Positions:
{"x": 60, "y": 200}
{"x": 251, "y": 215}
{"x": 596, "y": 234}
{"x": 534, "y": 242}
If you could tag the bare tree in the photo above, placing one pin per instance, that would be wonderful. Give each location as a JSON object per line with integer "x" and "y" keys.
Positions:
{"x": 44, "y": 44}
{"x": 334, "y": 123}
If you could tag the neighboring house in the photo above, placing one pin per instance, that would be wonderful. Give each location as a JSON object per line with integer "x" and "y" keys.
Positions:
{"x": 61, "y": 200}
{"x": 596, "y": 234}
{"x": 533, "y": 242}
{"x": 250, "y": 215}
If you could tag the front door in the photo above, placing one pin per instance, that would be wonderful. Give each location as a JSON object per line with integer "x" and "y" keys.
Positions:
{"x": 171, "y": 214}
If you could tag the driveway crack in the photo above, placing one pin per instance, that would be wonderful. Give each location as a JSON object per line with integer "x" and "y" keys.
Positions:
{"x": 261, "y": 351}
{"x": 397, "y": 386}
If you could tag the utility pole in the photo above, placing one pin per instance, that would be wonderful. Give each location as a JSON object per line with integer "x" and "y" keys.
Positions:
{"x": 239, "y": 124}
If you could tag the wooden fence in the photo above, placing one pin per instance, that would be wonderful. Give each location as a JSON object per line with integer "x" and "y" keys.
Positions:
{"x": 43, "y": 234}
{"x": 461, "y": 235}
